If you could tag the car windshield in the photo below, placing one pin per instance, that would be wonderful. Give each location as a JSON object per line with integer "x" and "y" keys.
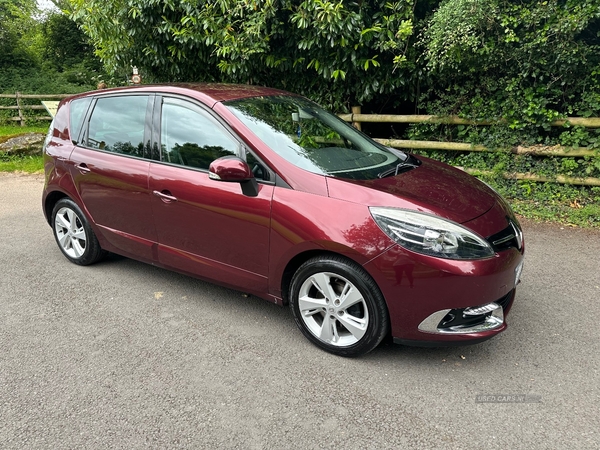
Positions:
{"x": 313, "y": 139}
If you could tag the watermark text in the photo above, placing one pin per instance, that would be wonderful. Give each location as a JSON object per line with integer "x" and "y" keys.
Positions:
{"x": 508, "y": 398}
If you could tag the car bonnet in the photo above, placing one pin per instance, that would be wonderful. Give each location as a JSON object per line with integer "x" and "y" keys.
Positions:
{"x": 433, "y": 187}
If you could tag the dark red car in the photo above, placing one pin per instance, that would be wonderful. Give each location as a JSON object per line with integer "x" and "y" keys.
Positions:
{"x": 263, "y": 191}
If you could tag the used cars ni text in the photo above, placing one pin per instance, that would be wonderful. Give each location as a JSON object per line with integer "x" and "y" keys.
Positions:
{"x": 265, "y": 192}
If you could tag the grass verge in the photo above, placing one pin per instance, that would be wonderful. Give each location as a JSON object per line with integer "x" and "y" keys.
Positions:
{"x": 26, "y": 164}
{"x": 16, "y": 163}
{"x": 567, "y": 213}
{"x": 11, "y": 130}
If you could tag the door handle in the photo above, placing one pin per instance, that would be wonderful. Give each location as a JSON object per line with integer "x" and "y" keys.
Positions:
{"x": 165, "y": 197}
{"x": 83, "y": 168}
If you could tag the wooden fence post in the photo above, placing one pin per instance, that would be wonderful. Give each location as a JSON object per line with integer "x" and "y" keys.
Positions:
{"x": 356, "y": 110}
{"x": 19, "y": 110}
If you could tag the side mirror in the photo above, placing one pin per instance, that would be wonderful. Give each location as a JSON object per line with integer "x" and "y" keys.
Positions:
{"x": 229, "y": 168}
{"x": 233, "y": 169}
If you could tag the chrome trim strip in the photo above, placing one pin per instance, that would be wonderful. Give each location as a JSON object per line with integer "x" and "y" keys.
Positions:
{"x": 518, "y": 234}
{"x": 478, "y": 310}
{"x": 510, "y": 237}
{"x": 430, "y": 324}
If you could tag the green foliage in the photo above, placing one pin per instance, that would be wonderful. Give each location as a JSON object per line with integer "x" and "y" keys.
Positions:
{"x": 573, "y": 205}
{"x": 16, "y": 25}
{"x": 457, "y": 34}
{"x": 529, "y": 62}
{"x": 35, "y": 80}
{"x": 65, "y": 45}
{"x": 336, "y": 52}
{"x": 43, "y": 54}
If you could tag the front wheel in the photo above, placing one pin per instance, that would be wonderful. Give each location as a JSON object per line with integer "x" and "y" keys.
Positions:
{"x": 74, "y": 235}
{"x": 338, "y": 306}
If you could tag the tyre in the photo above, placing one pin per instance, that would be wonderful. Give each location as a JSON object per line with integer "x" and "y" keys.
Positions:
{"x": 338, "y": 306}
{"x": 74, "y": 235}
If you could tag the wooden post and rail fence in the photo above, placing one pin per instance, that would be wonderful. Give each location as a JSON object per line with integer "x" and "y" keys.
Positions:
{"x": 357, "y": 118}
{"x": 22, "y": 107}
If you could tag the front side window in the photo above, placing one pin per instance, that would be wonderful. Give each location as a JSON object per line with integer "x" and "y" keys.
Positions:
{"x": 191, "y": 137}
{"x": 117, "y": 125}
{"x": 313, "y": 139}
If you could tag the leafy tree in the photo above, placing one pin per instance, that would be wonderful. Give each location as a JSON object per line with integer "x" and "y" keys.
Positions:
{"x": 42, "y": 52}
{"x": 337, "y": 51}
{"x": 529, "y": 61}
{"x": 16, "y": 24}
{"x": 64, "y": 43}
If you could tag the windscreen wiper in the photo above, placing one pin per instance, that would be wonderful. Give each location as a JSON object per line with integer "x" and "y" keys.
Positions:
{"x": 410, "y": 162}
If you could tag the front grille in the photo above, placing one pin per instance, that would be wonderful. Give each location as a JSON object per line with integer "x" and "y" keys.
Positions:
{"x": 510, "y": 237}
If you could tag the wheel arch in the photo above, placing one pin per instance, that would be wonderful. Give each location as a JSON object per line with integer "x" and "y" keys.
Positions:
{"x": 52, "y": 199}
{"x": 379, "y": 323}
{"x": 294, "y": 264}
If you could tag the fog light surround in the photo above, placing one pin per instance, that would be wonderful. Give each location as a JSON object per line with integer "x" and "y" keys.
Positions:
{"x": 467, "y": 320}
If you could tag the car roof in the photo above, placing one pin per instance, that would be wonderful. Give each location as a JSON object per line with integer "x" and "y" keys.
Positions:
{"x": 221, "y": 92}
{"x": 217, "y": 92}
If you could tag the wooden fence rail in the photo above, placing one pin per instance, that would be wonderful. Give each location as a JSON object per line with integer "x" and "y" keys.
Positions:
{"x": 555, "y": 150}
{"x": 588, "y": 122}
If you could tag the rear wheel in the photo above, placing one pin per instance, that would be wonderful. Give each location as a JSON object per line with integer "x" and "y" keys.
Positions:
{"x": 338, "y": 306}
{"x": 74, "y": 235}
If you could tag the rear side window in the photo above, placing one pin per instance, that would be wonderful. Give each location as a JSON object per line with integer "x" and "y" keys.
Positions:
{"x": 191, "y": 137}
{"x": 77, "y": 110}
{"x": 117, "y": 125}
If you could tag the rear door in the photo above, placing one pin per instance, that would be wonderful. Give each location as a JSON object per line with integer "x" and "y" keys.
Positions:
{"x": 205, "y": 227}
{"x": 110, "y": 169}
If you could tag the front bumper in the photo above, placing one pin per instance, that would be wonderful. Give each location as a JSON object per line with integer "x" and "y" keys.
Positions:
{"x": 422, "y": 291}
{"x": 427, "y": 296}
{"x": 481, "y": 329}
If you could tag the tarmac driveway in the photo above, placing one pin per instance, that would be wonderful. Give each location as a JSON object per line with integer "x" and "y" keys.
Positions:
{"x": 126, "y": 355}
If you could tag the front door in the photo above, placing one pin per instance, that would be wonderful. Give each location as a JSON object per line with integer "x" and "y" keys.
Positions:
{"x": 205, "y": 227}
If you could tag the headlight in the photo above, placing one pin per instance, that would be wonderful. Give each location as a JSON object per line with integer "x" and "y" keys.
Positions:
{"x": 431, "y": 235}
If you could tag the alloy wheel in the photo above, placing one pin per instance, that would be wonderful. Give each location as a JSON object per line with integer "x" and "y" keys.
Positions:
{"x": 70, "y": 232}
{"x": 333, "y": 309}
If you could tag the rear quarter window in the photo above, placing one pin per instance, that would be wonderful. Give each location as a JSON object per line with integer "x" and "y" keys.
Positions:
{"x": 117, "y": 125}
{"x": 77, "y": 110}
